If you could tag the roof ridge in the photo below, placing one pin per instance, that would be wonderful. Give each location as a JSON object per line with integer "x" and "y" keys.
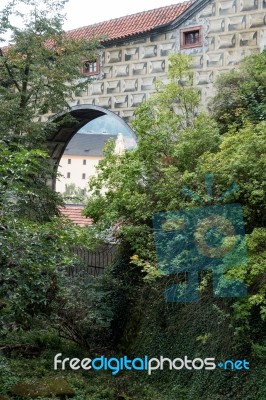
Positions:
{"x": 128, "y": 15}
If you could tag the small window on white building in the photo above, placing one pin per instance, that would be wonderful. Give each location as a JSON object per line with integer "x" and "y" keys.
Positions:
{"x": 83, "y": 176}
{"x": 91, "y": 67}
{"x": 191, "y": 37}
{"x": 69, "y": 161}
{"x": 68, "y": 175}
{"x": 84, "y": 162}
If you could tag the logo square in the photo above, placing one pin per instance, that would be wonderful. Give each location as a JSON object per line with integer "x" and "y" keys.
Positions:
{"x": 201, "y": 238}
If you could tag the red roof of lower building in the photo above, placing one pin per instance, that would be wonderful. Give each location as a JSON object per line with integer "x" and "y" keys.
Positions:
{"x": 73, "y": 213}
{"x": 129, "y": 25}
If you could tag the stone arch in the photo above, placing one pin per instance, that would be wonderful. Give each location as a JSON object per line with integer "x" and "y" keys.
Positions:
{"x": 58, "y": 140}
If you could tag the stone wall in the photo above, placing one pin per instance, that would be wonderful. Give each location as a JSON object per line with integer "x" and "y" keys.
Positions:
{"x": 128, "y": 73}
{"x": 232, "y": 29}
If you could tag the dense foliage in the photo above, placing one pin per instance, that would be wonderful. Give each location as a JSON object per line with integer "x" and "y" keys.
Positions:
{"x": 124, "y": 311}
{"x": 167, "y": 172}
{"x": 241, "y": 94}
{"x": 39, "y": 70}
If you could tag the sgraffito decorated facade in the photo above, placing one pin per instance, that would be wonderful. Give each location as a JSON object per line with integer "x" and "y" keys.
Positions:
{"x": 218, "y": 34}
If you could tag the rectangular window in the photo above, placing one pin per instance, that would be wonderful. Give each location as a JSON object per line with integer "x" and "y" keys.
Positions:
{"x": 191, "y": 37}
{"x": 69, "y": 161}
{"x": 68, "y": 175}
{"x": 83, "y": 176}
{"x": 84, "y": 162}
{"x": 90, "y": 67}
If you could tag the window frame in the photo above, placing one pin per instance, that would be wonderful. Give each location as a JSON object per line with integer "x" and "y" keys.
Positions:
{"x": 185, "y": 31}
{"x": 93, "y": 72}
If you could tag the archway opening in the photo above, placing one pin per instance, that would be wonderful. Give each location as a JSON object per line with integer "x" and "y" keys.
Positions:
{"x": 77, "y": 145}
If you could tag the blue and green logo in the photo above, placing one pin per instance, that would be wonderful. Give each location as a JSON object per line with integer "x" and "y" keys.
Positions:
{"x": 210, "y": 237}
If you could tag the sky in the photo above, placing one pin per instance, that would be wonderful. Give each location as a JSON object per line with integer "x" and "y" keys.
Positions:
{"x": 87, "y": 12}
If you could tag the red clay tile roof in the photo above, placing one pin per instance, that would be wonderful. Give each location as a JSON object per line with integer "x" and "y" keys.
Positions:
{"x": 129, "y": 25}
{"x": 73, "y": 213}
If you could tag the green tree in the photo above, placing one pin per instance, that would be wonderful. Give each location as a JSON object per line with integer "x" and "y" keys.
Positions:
{"x": 40, "y": 69}
{"x": 176, "y": 153}
{"x": 241, "y": 94}
{"x": 149, "y": 179}
{"x": 23, "y": 185}
{"x": 241, "y": 160}
{"x": 169, "y": 157}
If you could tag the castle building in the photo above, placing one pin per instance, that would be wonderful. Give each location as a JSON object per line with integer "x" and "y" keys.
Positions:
{"x": 218, "y": 34}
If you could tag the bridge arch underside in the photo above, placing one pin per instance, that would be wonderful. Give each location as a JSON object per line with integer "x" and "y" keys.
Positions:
{"x": 67, "y": 127}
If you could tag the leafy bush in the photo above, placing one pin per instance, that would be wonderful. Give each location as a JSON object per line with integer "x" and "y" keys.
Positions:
{"x": 89, "y": 308}
{"x": 241, "y": 95}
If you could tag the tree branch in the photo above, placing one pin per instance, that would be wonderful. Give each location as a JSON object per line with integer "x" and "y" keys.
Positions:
{"x": 9, "y": 71}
